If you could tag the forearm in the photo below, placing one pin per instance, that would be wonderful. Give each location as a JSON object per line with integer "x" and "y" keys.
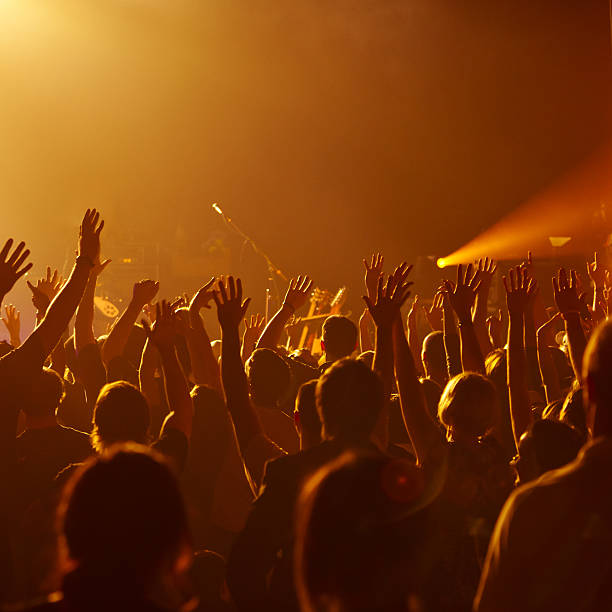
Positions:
{"x": 273, "y": 331}
{"x": 531, "y": 352}
{"x": 119, "y": 334}
{"x": 83, "y": 323}
{"x": 414, "y": 343}
{"x": 452, "y": 345}
{"x": 423, "y": 432}
{"x": 365, "y": 340}
{"x": 471, "y": 356}
{"x": 520, "y": 411}
{"x": 548, "y": 371}
{"x": 576, "y": 341}
{"x": 203, "y": 362}
{"x": 248, "y": 346}
{"x": 235, "y": 386}
{"x": 177, "y": 391}
{"x": 479, "y": 319}
{"x": 383, "y": 357}
{"x": 146, "y": 375}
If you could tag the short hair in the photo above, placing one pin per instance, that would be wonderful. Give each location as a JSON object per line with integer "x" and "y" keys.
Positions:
{"x": 468, "y": 405}
{"x": 350, "y": 398}
{"x": 269, "y": 377}
{"x": 306, "y": 409}
{"x": 361, "y": 536}
{"x": 433, "y": 352}
{"x": 121, "y": 414}
{"x": 554, "y": 444}
{"x": 122, "y": 516}
{"x": 597, "y": 372}
{"x": 44, "y": 395}
{"x": 339, "y": 336}
{"x": 572, "y": 412}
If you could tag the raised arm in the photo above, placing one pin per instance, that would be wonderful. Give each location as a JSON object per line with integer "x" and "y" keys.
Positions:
{"x": 61, "y": 309}
{"x": 569, "y": 305}
{"x": 486, "y": 269}
{"x": 296, "y": 296}
{"x": 204, "y": 364}
{"x": 143, "y": 293}
{"x": 163, "y": 335}
{"x": 520, "y": 290}
{"x": 414, "y": 341}
{"x": 462, "y": 296}
{"x": 452, "y": 344}
{"x": 597, "y": 273}
{"x": 12, "y": 266}
{"x": 231, "y": 309}
{"x": 548, "y": 371}
{"x": 365, "y": 339}
{"x": 83, "y": 323}
{"x": 385, "y": 311}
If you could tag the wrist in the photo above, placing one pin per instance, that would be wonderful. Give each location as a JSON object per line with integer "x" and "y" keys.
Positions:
{"x": 85, "y": 260}
{"x": 288, "y": 308}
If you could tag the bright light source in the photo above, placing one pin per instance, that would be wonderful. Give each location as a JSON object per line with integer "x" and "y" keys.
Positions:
{"x": 559, "y": 241}
{"x": 441, "y": 263}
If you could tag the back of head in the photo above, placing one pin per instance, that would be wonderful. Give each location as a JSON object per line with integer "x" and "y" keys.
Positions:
{"x": 468, "y": 407}
{"x": 358, "y": 535}
{"x": 349, "y": 399}
{"x": 269, "y": 377}
{"x": 546, "y": 445}
{"x": 123, "y": 522}
{"x": 434, "y": 353}
{"x": 121, "y": 414}
{"x": 44, "y": 395}
{"x": 339, "y": 337}
{"x": 597, "y": 373}
{"x": 306, "y": 411}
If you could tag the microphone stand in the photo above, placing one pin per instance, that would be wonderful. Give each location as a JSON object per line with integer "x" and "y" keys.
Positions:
{"x": 274, "y": 272}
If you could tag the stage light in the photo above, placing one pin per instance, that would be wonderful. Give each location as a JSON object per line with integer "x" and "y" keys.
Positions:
{"x": 441, "y": 263}
{"x": 559, "y": 241}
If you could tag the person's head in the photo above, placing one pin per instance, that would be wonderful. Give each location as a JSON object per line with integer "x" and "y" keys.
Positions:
{"x": 433, "y": 356}
{"x": 368, "y": 358}
{"x": 208, "y": 577}
{"x": 546, "y": 445}
{"x": 123, "y": 525}
{"x": 44, "y": 395}
{"x": 121, "y": 414}
{"x": 269, "y": 377}
{"x": 359, "y": 537}
{"x": 468, "y": 407}
{"x": 349, "y": 400}
{"x": 339, "y": 337}
{"x": 597, "y": 375}
{"x": 432, "y": 392}
{"x": 306, "y": 416}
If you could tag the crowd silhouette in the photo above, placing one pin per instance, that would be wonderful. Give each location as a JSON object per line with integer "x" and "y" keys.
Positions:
{"x": 466, "y": 469}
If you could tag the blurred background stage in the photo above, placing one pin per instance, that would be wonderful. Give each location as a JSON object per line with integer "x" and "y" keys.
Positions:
{"x": 325, "y": 128}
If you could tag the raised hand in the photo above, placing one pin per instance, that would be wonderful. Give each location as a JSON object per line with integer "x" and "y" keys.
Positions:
{"x": 230, "y": 306}
{"x": 520, "y": 291}
{"x": 566, "y": 292}
{"x": 298, "y": 292}
{"x": 254, "y": 327}
{"x": 12, "y": 323}
{"x": 385, "y": 309}
{"x": 163, "y": 332}
{"x": 11, "y": 269}
{"x": 203, "y": 297}
{"x": 144, "y": 291}
{"x": 486, "y": 269}
{"x": 435, "y": 314}
{"x": 373, "y": 273}
{"x": 89, "y": 235}
{"x": 462, "y": 294}
{"x": 597, "y": 272}
{"x": 45, "y": 290}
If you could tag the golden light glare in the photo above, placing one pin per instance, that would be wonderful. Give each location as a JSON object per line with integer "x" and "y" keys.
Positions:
{"x": 574, "y": 207}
